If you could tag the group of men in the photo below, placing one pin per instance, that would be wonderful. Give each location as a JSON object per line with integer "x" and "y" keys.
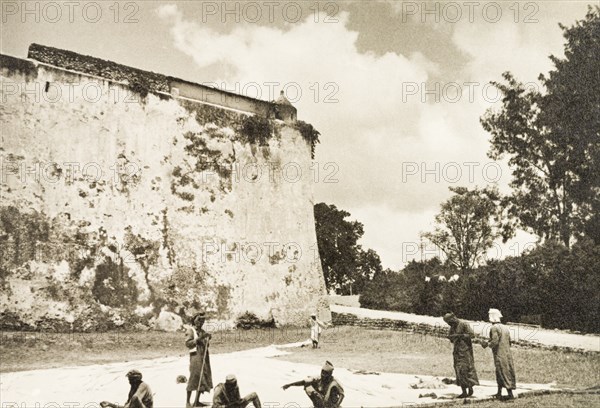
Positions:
{"x": 461, "y": 336}
{"x": 324, "y": 391}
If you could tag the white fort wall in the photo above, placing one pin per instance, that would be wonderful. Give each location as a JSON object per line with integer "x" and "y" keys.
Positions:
{"x": 118, "y": 204}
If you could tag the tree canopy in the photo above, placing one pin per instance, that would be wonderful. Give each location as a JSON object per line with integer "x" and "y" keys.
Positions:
{"x": 346, "y": 266}
{"x": 551, "y": 138}
{"x": 467, "y": 226}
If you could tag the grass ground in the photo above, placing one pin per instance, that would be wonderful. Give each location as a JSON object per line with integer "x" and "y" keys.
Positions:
{"x": 72, "y": 349}
{"x": 350, "y": 347}
{"x": 401, "y": 352}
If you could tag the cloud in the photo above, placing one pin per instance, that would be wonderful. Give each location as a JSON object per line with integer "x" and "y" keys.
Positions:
{"x": 376, "y": 130}
{"x": 367, "y": 130}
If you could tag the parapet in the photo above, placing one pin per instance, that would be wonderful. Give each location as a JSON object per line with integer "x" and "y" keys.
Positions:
{"x": 159, "y": 83}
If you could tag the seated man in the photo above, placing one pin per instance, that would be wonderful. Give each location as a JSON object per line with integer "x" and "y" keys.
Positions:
{"x": 324, "y": 392}
{"x": 228, "y": 395}
{"x": 140, "y": 395}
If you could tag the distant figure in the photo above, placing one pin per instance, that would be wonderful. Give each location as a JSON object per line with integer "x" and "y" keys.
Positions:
{"x": 197, "y": 341}
{"x": 500, "y": 345}
{"x": 228, "y": 395}
{"x": 324, "y": 392}
{"x": 140, "y": 395}
{"x": 316, "y": 327}
{"x": 464, "y": 364}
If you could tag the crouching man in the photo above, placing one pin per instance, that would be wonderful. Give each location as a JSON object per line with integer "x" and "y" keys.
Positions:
{"x": 324, "y": 391}
{"x": 228, "y": 395}
{"x": 140, "y": 395}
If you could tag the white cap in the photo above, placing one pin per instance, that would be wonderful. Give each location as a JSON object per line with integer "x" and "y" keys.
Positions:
{"x": 495, "y": 315}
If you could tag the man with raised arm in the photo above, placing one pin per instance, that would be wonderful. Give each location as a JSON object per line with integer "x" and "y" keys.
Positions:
{"x": 316, "y": 327}
{"x": 324, "y": 391}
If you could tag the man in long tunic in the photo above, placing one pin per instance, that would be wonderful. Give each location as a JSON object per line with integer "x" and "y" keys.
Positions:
{"x": 228, "y": 395}
{"x": 197, "y": 341}
{"x": 316, "y": 327}
{"x": 324, "y": 391}
{"x": 464, "y": 364}
{"x": 500, "y": 345}
{"x": 140, "y": 395}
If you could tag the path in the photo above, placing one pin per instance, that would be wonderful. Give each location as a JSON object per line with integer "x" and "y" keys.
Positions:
{"x": 542, "y": 336}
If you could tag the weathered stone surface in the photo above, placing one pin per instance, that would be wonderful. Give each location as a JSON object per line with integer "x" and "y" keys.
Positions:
{"x": 114, "y": 204}
{"x": 167, "y": 321}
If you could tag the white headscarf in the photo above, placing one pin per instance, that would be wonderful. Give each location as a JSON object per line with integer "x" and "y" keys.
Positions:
{"x": 495, "y": 315}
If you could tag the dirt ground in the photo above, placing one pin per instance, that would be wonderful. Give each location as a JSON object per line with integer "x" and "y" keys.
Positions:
{"x": 388, "y": 353}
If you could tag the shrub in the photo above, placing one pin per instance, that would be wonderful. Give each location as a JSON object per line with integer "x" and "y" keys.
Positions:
{"x": 556, "y": 285}
{"x": 249, "y": 320}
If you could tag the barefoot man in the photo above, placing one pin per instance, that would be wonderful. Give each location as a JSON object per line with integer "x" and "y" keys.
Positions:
{"x": 228, "y": 395}
{"x": 316, "y": 327}
{"x": 200, "y": 373}
{"x": 500, "y": 345}
{"x": 464, "y": 364}
{"x": 140, "y": 395}
{"x": 324, "y": 392}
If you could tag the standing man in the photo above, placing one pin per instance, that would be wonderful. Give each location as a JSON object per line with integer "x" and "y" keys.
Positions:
{"x": 140, "y": 395}
{"x": 228, "y": 395}
{"x": 197, "y": 341}
{"x": 316, "y": 327}
{"x": 500, "y": 345}
{"x": 324, "y": 392}
{"x": 464, "y": 364}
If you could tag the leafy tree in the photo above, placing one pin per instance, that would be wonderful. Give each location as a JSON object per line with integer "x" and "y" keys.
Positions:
{"x": 368, "y": 264}
{"x": 387, "y": 290}
{"x": 467, "y": 226}
{"x": 346, "y": 266}
{"x": 552, "y": 140}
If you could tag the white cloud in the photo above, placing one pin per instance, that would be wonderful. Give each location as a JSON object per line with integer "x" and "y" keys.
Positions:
{"x": 375, "y": 129}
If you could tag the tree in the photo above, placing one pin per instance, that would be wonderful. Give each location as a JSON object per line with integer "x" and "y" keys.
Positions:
{"x": 386, "y": 291}
{"x": 467, "y": 226}
{"x": 368, "y": 264}
{"x": 552, "y": 140}
{"x": 346, "y": 267}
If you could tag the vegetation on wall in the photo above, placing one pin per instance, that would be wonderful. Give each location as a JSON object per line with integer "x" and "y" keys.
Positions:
{"x": 18, "y": 65}
{"x": 310, "y": 134}
{"x": 256, "y": 130}
{"x": 141, "y": 89}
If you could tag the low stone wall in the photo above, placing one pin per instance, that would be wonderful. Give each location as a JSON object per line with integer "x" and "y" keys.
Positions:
{"x": 347, "y": 319}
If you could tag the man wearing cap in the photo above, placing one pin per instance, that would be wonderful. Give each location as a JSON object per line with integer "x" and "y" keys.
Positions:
{"x": 460, "y": 335}
{"x": 500, "y": 345}
{"x": 140, "y": 395}
{"x": 228, "y": 395}
{"x": 324, "y": 392}
{"x": 197, "y": 341}
{"x": 316, "y": 327}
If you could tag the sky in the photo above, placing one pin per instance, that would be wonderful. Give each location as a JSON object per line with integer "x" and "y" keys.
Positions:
{"x": 396, "y": 88}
